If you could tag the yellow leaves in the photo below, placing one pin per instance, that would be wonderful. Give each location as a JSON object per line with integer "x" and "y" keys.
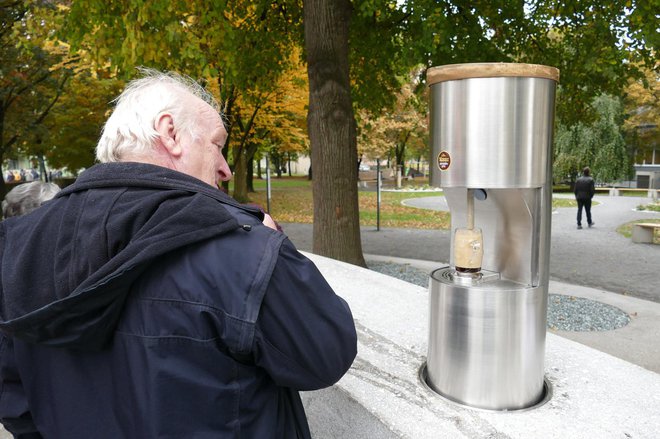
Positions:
{"x": 401, "y": 124}
{"x": 284, "y": 111}
{"x": 242, "y": 15}
{"x": 643, "y": 101}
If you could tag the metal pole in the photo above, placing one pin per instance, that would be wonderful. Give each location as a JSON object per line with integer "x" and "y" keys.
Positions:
{"x": 267, "y": 184}
{"x": 470, "y": 209}
{"x": 378, "y": 180}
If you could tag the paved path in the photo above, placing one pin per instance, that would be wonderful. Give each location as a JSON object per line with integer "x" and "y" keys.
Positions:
{"x": 598, "y": 257}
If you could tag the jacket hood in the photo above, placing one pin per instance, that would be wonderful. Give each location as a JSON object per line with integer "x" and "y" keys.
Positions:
{"x": 67, "y": 267}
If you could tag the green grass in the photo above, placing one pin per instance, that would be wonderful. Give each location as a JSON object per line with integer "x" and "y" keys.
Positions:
{"x": 563, "y": 202}
{"x": 653, "y": 207}
{"x": 278, "y": 183}
{"x": 626, "y": 229}
{"x": 637, "y": 193}
{"x": 561, "y": 188}
{"x": 287, "y": 206}
{"x": 568, "y": 202}
{"x": 293, "y": 203}
{"x": 394, "y": 214}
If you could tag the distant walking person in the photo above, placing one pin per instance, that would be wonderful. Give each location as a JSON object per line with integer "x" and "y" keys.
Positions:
{"x": 584, "y": 192}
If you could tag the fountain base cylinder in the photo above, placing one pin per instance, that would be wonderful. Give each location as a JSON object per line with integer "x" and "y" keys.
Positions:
{"x": 486, "y": 340}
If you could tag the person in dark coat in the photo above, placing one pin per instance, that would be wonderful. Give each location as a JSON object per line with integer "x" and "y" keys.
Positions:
{"x": 584, "y": 192}
{"x": 143, "y": 302}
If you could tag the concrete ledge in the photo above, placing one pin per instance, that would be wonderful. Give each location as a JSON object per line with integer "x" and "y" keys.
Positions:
{"x": 594, "y": 394}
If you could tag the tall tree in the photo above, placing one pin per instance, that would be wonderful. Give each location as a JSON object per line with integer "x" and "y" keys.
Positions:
{"x": 598, "y": 144}
{"x": 611, "y": 162}
{"x": 331, "y": 127}
{"x": 595, "y": 44}
{"x": 239, "y": 48}
{"x": 280, "y": 127}
{"x": 74, "y": 124}
{"x": 397, "y": 128}
{"x": 33, "y": 74}
{"x": 574, "y": 149}
{"x": 283, "y": 120}
{"x": 591, "y": 42}
{"x": 642, "y": 124}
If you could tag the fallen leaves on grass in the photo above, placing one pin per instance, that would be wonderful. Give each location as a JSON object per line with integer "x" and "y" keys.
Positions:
{"x": 296, "y": 206}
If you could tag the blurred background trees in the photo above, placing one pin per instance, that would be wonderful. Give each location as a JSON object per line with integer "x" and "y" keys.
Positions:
{"x": 62, "y": 62}
{"x": 34, "y": 71}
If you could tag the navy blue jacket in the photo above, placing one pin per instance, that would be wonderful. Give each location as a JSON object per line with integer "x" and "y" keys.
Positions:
{"x": 143, "y": 303}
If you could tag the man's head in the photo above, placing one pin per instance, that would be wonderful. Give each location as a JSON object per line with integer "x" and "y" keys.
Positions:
{"x": 586, "y": 171}
{"x": 169, "y": 121}
{"x": 26, "y": 197}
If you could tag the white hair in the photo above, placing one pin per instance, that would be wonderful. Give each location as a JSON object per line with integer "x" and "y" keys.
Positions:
{"x": 26, "y": 197}
{"x": 131, "y": 129}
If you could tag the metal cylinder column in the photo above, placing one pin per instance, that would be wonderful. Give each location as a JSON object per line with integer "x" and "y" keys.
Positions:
{"x": 491, "y": 130}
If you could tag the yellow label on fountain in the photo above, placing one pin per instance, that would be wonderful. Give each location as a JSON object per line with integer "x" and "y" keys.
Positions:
{"x": 468, "y": 250}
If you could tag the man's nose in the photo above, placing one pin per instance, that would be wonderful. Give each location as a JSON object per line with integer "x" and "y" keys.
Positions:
{"x": 225, "y": 172}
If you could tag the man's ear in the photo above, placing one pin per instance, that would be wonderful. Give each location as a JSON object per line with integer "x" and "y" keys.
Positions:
{"x": 165, "y": 127}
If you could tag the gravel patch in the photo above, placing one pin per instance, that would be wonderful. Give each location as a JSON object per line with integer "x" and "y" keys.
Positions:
{"x": 404, "y": 272}
{"x": 570, "y": 313}
{"x": 565, "y": 313}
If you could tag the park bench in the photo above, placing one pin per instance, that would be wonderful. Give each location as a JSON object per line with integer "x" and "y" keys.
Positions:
{"x": 643, "y": 232}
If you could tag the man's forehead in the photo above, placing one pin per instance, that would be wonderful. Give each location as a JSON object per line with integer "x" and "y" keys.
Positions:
{"x": 203, "y": 111}
{"x": 207, "y": 111}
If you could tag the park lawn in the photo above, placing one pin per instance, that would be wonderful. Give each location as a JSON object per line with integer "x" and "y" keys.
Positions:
{"x": 568, "y": 202}
{"x": 291, "y": 202}
{"x": 653, "y": 207}
{"x": 640, "y": 193}
{"x": 295, "y": 206}
{"x": 626, "y": 229}
{"x": 564, "y": 202}
{"x": 277, "y": 183}
{"x": 394, "y": 214}
{"x": 287, "y": 206}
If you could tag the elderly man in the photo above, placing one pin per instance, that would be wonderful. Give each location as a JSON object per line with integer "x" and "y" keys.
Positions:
{"x": 143, "y": 302}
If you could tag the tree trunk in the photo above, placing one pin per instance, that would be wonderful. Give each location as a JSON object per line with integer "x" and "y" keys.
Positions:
{"x": 332, "y": 131}
{"x": 400, "y": 151}
{"x": 277, "y": 162}
{"x": 42, "y": 168}
{"x": 250, "y": 175}
{"x": 241, "y": 157}
{"x": 240, "y": 172}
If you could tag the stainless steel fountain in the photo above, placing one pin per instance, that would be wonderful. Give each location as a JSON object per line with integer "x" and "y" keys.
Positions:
{"x": 491, "y": 136}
